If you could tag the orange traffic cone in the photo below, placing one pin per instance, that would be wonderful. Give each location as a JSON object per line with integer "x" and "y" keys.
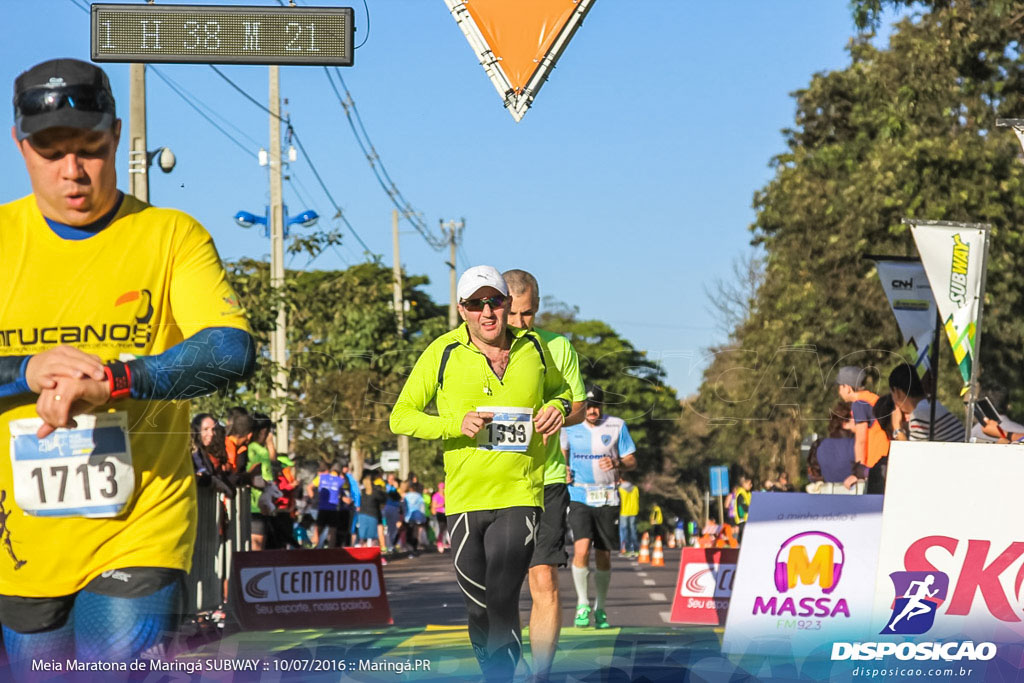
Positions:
{"x": 645, "y": 550}
{"x": 671, "y": 542}
{"x": 658, "y": 557}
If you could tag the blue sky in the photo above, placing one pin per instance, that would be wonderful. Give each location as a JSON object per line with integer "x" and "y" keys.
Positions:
{"x": 625, "y": 189}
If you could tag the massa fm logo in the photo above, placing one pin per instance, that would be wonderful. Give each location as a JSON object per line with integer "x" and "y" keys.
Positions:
{"x": 799, "y": 571}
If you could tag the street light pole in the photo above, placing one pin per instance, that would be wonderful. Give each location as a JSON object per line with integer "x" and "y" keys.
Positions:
{"x": 138, "y": 164}
{"x": 403, "y": 440}
{"x": 278, "y": 340}
{"x": 454, "y": 231}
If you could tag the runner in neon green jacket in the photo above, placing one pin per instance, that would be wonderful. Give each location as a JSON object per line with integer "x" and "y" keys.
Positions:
{"x": 495, "y": 386}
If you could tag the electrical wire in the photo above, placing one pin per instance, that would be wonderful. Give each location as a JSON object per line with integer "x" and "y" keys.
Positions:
{"x": 377, "y": 166}
{"x": 295, "y": 135}
{"x": 189, "y": 102}
{"x": 213, "y": 112}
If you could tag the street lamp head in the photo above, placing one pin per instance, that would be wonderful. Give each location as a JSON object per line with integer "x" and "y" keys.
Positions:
{"x": 164, "y": 158}
{"x": 307, "y": 218}
{"x": 247, "y": 220}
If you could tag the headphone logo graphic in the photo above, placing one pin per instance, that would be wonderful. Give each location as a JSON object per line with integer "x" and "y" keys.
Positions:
{"x": 782, "y": 568}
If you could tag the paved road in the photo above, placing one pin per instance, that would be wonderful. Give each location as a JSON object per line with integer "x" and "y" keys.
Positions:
{"x": 423, "y": 591}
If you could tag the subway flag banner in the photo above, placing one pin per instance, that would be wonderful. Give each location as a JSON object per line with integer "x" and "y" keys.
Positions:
{"x": 518, "y": 43}
{"x": 953, "y": 255}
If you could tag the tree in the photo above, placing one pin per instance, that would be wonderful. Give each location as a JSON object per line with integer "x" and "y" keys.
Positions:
{"x": 903, "y": 131}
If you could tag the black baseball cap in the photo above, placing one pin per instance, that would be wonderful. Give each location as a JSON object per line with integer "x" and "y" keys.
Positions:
{"x": 595, "y": 395}
{"x": 63, "y": 92}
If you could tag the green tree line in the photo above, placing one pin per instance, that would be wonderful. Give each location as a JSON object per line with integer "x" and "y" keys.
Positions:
{"x": 905, "y": 130}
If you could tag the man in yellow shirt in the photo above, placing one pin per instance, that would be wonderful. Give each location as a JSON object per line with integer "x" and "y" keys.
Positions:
{"x": 114, "y": 311}
{"x": 629, "y": 501}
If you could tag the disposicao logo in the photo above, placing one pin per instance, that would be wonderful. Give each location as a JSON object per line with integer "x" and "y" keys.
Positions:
{"x": 796, "y": 568}
{"x": 918, "y": 597}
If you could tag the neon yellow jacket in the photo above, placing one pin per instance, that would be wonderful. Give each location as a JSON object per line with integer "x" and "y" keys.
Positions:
{"x": 458, "y": 375}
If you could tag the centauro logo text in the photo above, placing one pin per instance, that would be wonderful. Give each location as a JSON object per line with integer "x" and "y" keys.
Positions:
{"x": 922, "y": 652}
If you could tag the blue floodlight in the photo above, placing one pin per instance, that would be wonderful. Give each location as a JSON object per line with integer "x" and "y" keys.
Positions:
{"x": 307, "y": 218}
{"x": 247, "y": 220}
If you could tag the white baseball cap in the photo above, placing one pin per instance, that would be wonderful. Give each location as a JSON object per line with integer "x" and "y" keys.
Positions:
{"x": 480, "y": 276}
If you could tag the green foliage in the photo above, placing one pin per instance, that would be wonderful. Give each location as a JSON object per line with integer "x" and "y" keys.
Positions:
{"x": 347, "y": 360}
{"x": 635, "y": 390}
{"x": 907, "y": 131}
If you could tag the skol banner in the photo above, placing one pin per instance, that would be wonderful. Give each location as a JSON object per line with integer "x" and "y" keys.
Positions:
{"x": 953, "y": 255}
{"x": 910, "y": 297}
{"x": 951, "y": 561}
{"x": 805, "y": 574}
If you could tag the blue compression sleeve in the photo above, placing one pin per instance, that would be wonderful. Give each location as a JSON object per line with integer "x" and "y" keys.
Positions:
{"x": 12, "y": 376}
{"x": 205, "y": 362}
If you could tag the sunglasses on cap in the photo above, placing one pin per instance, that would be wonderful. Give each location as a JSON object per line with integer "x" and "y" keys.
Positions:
{"x": 87, "y": 98}
{"x": 477, "y": 305}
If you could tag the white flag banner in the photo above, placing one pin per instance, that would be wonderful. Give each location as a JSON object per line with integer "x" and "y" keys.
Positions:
{"x": 953, "y": 257}
{"x": 910, "y": 296}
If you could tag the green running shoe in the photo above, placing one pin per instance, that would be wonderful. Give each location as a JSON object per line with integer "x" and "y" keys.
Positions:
{"x": 582, "y": 616}
{"x": 601, "y": 619}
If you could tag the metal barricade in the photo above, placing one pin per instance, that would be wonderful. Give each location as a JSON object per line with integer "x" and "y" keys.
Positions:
{"x": 223, "y": 526}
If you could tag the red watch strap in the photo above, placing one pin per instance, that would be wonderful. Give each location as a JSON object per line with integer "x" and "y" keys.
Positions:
{"x": 119, "y": 377}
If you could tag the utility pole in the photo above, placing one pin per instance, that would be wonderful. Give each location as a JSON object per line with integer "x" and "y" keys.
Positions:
{"x": 278, "y": 340}
{"x": 403, "y": 440}
{"x": 138, "y": 160}
{"x": 454, "y": 231}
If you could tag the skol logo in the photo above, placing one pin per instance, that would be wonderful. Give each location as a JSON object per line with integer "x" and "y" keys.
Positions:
{"x": 918, "y": 597}
{"x": 980, "y": 572}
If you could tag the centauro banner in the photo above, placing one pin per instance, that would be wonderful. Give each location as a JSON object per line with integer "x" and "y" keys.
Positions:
{"x": 910, "y": 296}
{"x": 953, "y": 257}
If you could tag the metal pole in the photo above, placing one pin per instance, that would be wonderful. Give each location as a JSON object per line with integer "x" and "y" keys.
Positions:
{"x": 453, "y": 315}
{"x": 935, "y": 372}
{"x": 976, "y": 360}
{"x": 403, "y": 440}
{"x": 278, "y": 340}
{"x": 138, "y": 164}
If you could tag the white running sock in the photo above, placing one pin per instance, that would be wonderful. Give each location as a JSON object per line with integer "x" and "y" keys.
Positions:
{"x": 602, "y": 577}
{"x": 579, "y": 579}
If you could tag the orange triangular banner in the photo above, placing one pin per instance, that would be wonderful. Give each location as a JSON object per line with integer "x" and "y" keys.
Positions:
{"x": 518, "y": 42}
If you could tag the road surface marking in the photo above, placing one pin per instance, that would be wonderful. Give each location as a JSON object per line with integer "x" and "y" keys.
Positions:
{"x": 665, "y": 616}
{"x": 659, "y": 597}
{"x": 650, "y": 582}
{"x": 641, "y": 573}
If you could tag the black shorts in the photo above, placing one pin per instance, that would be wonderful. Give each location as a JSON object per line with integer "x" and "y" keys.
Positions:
{"x": 328, "y": 518}
{"x": 33, "y": 615}
{"x": 601, "y": 524}
{"x": 549, "y": 545}
{"x": 258, "y": 525}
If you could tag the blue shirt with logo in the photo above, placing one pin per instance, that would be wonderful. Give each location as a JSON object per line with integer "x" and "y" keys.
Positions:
{"x": 585, "y": 445}
{"x": 330, "y": 491}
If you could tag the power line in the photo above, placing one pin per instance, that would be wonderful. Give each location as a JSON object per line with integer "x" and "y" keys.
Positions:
{"x": 199, "y": 111}
{"x": 295, "y": 135}
{"x": 407, "y": 211}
